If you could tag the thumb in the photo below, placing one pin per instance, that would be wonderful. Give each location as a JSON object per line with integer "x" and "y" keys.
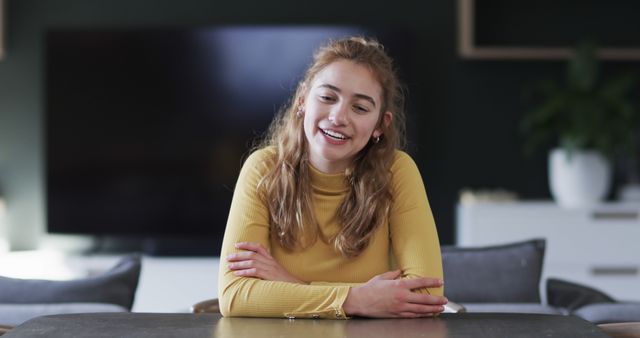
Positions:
{"x": 389, "y": 275}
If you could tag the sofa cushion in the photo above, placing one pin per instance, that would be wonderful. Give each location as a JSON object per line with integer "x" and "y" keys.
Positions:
{"x": 572, "y": 295}
{"x": 16, "y": 314}
{"x": 610, "y": 312}
{"x": 115, "y": 286}
{"x": 494, "y": 274}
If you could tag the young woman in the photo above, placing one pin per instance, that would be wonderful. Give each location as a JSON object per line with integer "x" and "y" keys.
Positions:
{"x": 329, "y": 205}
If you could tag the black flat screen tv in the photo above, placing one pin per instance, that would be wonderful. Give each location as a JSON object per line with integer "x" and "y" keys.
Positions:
{"x": 146, "y": 129}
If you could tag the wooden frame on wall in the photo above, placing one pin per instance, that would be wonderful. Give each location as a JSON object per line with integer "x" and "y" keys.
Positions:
{"x": 468, "y": 49}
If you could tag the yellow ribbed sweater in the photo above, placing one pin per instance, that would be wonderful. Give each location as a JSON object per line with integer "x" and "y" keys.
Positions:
{"x": 408, "y": 241}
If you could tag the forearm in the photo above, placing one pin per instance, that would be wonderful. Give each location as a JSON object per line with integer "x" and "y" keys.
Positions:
{"x": 336, "y": 284}
{"x": 252, "y": 297}
{"x": 414, "y": 236}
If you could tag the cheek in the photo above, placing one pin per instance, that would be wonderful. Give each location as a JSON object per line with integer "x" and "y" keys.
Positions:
{"x": 308, "y": 125}
{"x": 367, "y": 127}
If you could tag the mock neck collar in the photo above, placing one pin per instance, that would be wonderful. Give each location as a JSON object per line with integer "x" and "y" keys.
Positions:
{"x": 327, "y": 182}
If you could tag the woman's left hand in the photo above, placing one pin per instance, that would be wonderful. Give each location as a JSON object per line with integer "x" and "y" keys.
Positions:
{"x": 255, "y": 261}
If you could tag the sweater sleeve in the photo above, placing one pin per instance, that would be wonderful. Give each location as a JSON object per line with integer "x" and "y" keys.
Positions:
{"x": 414, "y": 238}
{"x": 253, "y": 297}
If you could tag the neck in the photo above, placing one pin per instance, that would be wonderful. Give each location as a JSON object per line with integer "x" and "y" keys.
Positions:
{"x": 328, "y": 167}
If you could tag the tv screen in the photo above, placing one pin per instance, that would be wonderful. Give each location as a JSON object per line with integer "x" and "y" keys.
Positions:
{"x": 146, "y": 130}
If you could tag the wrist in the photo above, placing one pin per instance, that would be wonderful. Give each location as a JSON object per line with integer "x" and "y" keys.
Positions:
{"x": 350, "y": 305}
{"x": 295, "y": 280}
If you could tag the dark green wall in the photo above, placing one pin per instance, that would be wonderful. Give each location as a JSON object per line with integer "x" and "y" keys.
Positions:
{"x": 464, "y": 136}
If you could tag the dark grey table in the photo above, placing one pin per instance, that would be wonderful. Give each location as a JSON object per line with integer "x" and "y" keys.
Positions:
{"x": 142, "y": 325}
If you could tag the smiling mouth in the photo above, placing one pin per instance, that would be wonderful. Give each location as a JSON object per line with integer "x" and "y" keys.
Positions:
{"x": 333, "y": 134}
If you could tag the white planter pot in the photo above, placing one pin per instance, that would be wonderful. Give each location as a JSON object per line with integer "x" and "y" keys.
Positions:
{"x": 582, "y": 180}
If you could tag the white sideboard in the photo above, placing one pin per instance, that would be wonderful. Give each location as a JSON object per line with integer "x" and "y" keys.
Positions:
{"x": 4, "y": 243}
{"x": 598, "y": 247}
{"x": 167, "y": 284}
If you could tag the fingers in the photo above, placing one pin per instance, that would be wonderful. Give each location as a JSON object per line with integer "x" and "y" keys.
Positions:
{"x": 254, "y": 260}
{"x": 248, "y": 260}
{"x": 417, "y": 298}
{"x": 423, "y": 309}
{"x": 253, "y": 272}
{"x": 253, "y": 246}
{"x": 251, "y": 262}
{"x": 411, "y": 315}
{"x": 252, "y": 250}
{"x": 423, "y": 282}
{"x": 410, "y": 310}
{"x": 249, "y": 268}
{"x": 416, "y": 315}
{"x": 389, "y": 275}
{"x": 248, "y": 264}
{"x": 243, "y": 255}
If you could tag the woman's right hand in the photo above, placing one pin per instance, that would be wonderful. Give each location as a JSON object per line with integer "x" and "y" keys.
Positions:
{"x": 385, "y": 296}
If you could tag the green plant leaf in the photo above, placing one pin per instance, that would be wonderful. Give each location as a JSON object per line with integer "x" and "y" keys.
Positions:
{"x": 583, "y": 67}
{"x": 585, "y": 112}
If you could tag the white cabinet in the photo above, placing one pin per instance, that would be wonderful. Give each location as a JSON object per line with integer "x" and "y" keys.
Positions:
{"x": 4, "y": 243}
{"x": 598, "y": 246}
{"x": 174, "y": 284}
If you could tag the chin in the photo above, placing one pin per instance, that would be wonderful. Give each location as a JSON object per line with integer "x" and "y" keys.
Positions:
{"x": 330, "y": 155}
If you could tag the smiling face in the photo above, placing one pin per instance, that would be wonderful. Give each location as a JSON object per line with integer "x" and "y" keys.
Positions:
{"x": 341, "y": 114}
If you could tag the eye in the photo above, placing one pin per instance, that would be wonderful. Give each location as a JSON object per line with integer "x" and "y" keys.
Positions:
{"x": 360, "y": 109}
{"x": 326, "y": 98}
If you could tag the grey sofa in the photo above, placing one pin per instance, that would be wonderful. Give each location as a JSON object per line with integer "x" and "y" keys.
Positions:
{"x": 112, "y": 291}
{"x": 506, "y": 278}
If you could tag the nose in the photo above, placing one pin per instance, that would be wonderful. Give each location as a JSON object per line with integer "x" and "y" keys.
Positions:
{"x": 339, "y": 116}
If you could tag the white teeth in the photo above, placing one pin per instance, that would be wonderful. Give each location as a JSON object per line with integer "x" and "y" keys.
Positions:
{"x": 334, "y": 134}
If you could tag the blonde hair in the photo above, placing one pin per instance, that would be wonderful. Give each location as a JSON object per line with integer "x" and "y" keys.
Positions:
{"x": 286, "y": 188}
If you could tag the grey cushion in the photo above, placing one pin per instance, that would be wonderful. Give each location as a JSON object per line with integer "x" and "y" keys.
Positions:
{"x": 572, "y": 295}
{"x": 494, "y": 274}
{"x": 610, "y": 312}
{"x": 16, "y": 314}
{"x": 116, "y": 286}
{"x": 514, "y": 308}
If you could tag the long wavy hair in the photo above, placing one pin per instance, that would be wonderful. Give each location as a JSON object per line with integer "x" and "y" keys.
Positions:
{"x": 286, "y": 188}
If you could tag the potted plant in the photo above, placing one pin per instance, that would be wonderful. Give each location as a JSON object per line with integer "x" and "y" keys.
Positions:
{"x": 590, "y": 120}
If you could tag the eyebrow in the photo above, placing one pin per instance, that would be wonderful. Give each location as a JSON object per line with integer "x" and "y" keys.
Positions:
{"x": 361, "y": 96}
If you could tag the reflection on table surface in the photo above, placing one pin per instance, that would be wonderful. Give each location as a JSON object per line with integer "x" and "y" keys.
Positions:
{"x": 446, "y": 325}
{"x": 140, "y": 325}
{"x": 309, "y": 328}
